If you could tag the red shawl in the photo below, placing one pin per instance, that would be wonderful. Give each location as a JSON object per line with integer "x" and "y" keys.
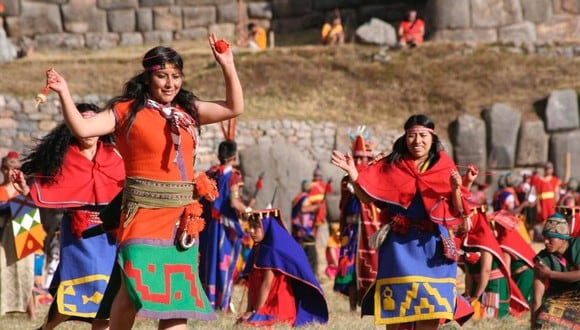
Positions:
{"x": 82, "y": 181}
{"x": 398, "y": 182}
{"x": 481, "y": 237}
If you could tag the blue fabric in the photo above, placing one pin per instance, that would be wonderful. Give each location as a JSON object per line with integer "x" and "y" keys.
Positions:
{"x": 279, "y": 251}
{"x": 220, "y": 243}
{"x": 413, "y": 273}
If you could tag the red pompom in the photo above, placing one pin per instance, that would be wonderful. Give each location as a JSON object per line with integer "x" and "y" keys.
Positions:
{"x": 221, "y": 46}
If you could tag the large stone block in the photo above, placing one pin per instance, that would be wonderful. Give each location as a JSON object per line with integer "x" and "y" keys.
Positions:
{"x": 495, "y": 13}
{"x": 122, "y": 20}
{"x": 60, "y": 40}
{"x": 225, "y": 30}
{"x": 83, "y": 16}
{"x": 562, "y": 110}
{"x": 537, "y": 11}
{"x": 102, "y": 40}
{"x": 228, "y": 13}
{"x": 533, "y": 144}
{"x": 449, "y": 14}
{"x": 567, "y": 6}
{"x": 35, "y": 18}
{"x": 157, "y": 37}
{"x": 560, "y": 27}
{"x": 562, "y": 143}
{"x": 199, "y": 16}
{"x": 155, "y": 3}
{"x": 518, "y": 33}
{"x": 503, "y": 123}
{"x": 260, "y": 10}
{"x": 203, "y": 2}
{"x": 144, "y": 19}
{"x": 118, "y": 4}
{"x": 130, "y": 39}
{"x": 167, "y": 18}
{"x": 468, "y": 136}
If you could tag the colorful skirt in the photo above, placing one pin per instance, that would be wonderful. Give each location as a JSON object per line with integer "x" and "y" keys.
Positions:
{"x": 162, "y": 280}
{"x": 82, "y": 276}
{"x": 415, "y": 281}
{"x": 560, "y": 311}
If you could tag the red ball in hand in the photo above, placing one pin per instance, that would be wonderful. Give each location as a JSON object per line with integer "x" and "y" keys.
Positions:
{"x": 221, "y": 46}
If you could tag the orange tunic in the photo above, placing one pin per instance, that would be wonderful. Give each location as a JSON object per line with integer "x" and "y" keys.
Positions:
{"x": 148, "y": 152}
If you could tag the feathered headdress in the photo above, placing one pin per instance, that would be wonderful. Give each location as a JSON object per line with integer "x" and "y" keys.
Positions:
{"x": 361, "y": 147}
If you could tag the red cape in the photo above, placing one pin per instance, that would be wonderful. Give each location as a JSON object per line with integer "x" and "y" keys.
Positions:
{"x": 511, "y": 241}
{"x": 397, "y": 183}
{"x": 481, "y": 237}
{"x": 82, "y": 181}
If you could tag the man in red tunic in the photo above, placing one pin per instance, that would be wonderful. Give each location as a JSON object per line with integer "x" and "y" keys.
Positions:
{"x": 411, "y": 30}
{"x": 547, "y": 189}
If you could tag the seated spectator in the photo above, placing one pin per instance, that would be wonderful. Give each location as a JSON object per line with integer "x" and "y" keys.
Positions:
{"x": 257, "y": 39}
{"x": 557, "y": 278}
{"x": 332, "y": 31}
{"x": 411, "y": 30}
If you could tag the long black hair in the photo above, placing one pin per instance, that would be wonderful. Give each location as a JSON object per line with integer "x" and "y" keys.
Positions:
{"x": 400, "y": 145}
{"x": 137, "y": 88}
{"x": 47, "y": 156}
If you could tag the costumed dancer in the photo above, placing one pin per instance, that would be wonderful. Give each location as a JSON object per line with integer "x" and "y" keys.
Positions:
{"x": 317, "y": 194}
{"x": 221, "y": 241}
{"x": 80, "y": 176}
{"x": 304, "y": 225}
{"x": 557, "y": 278}
{"x": 419, "y": 190}
{"x": 282, "y": 288}
{"x": 16, "y": 276}
{"x": 156, "y": 124}
{"x": 358, "y": 221}
{"x": 332, "y": 251}
{"x": 547, "y": 188}
{"x": 489, "y": 286}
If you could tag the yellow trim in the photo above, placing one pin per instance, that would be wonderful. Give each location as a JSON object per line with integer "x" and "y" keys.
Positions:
{"x": 67, "y": 288}
{"x": 414, "y": 282}
{"x": 547, "y": 194}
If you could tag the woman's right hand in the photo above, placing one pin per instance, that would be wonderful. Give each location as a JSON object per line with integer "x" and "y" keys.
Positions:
{"x": 55, "y": 81}
{"x": 19, "y": 182}
{"x": 345, "y": 162}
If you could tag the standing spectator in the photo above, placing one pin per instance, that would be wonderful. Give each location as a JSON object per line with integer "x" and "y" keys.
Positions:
{"x": 557, "y": 278}
{"x": 358, "y": 221}
{"x": 332, "y": 32}
{"x": 411, "y": 30}
{"x": 221, "y": 242}
{"x": 419, "y": 189}
{"x": 547, "y": 188}
{"x": 16, "y": 276}
{"x": 156, "y": 123}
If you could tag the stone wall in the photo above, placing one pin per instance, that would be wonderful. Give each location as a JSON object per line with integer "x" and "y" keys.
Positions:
{"x": 504, "y": 21}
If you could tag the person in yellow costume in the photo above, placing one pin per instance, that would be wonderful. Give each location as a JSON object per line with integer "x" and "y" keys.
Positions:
{"x": 332, "y": 32}
{"x": 258, "y": 39}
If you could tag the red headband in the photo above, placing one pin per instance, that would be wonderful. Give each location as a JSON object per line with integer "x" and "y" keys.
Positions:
{"x": 420, "y": 129}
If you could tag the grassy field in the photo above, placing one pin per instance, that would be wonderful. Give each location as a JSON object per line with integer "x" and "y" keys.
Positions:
{"x": 340, "y": 318}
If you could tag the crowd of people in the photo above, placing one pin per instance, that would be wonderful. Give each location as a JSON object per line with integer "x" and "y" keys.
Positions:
{"x": 143, "y": 234}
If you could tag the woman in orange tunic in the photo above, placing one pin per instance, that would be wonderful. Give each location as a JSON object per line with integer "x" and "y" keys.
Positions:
{"x": 156, "y": 124}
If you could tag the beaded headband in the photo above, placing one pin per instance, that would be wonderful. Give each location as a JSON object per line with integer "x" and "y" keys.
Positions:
{"x": 556, "y": 227}
{"x": 420, "y": 129}
{"x": 163, "y": 65}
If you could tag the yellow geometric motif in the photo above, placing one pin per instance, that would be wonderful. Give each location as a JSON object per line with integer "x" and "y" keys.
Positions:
{"x": 388, "y": 302}
{"x": 424, "y": 305}
{"x": 95, "y": 298}
{"x": 411, "y": 295}
{"x": 435, "y": 293}
{"x": 69, "y": 290}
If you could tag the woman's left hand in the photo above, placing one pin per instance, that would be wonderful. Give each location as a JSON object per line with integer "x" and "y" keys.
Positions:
{"x": 345, "y": 162}
{"x": 471, "y": 174}
{"x": 224, "y": 58}
{"x": 19, "y": 182}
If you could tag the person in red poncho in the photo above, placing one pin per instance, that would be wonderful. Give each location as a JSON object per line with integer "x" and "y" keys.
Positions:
{"x": 80, "y": 176}
{"x": 418, "y": 188}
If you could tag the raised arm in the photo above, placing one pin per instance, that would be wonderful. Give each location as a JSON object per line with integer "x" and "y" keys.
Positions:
{"x": 100, "y": 124}
{"x": 233, "y": 105}
{"x": 346, "y": 163}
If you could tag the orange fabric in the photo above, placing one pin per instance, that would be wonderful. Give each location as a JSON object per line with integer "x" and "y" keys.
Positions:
{"x": 4, "y": 194}
{"x": 260, "y": 37}
{"x": 148, "y": 152}
{"x": 413, "y": 32}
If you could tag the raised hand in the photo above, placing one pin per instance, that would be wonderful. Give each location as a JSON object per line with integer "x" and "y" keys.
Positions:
{"x": 223, "y": 56}
{"x": 345, "y": 162}
{"x": 19, "y": 182}
{"x": 55, "y": 81}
